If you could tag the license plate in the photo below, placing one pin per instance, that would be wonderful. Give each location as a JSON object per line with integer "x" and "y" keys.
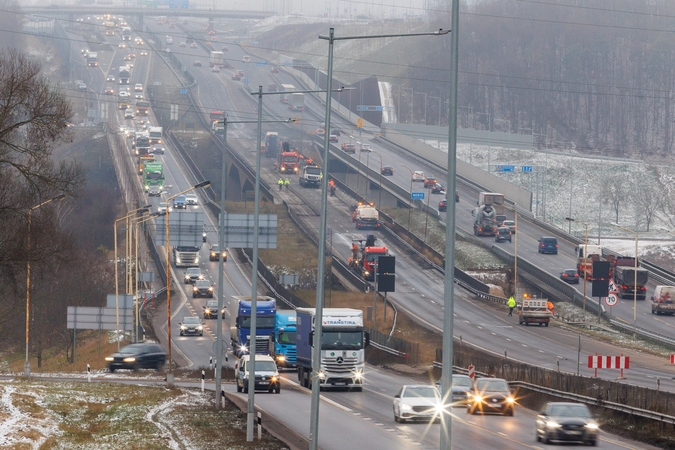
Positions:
{"x": 574, "y": 432}
{"x": 340, "y": 383}
{"x": 264, "y": 382}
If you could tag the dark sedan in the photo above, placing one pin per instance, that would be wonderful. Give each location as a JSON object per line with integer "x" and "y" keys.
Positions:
{"x": 456, "y": 197}
{"x": 158, "y": 150}
{"x": 387, "y": 170}
{"x": 570, "y": 276}
{"x": 211, "y": 310}
{"x": 138, "y": 356}
{"x": 438, "y": 189}
{"x": 214, "y": 251}
{"x": 567, "y": 422}
{"x": 491, "y": 395}
{"x": 443, "y": 205}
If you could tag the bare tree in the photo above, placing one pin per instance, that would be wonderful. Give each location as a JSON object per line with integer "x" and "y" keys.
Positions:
{"x": 648, "y": 198}
{"x": 613, "y": 190}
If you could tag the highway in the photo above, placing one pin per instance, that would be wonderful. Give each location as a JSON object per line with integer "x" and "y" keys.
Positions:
{"x": 419, "y": 289}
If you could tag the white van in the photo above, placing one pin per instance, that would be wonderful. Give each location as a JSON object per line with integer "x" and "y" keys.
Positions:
{"x": 663, "y": 300}
{"x": 266, "y": 374}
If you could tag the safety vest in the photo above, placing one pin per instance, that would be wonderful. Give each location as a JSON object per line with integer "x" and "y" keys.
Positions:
{"x": 280, "y": 182}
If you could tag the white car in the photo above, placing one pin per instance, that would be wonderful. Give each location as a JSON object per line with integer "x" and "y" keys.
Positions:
{"x": 110, "y": 78}
{"x": 418, "y": 175}
{"x": 121, "y": 45}
{"x": 418, "y": 402}
{"x": 139, "y": 96}
{"x": 366, "y": 148}
{"x": 191, "y": 199}
{"x": 138, "y": 87}
{"x": 162, "y": 207}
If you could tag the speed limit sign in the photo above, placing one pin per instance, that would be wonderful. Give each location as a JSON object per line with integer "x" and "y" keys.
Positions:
{"x": 611, "y": 300}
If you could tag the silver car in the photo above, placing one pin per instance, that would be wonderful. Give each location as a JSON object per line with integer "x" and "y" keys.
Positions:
{"x": 418, "y": 402}
{"x": 191, "y": 326}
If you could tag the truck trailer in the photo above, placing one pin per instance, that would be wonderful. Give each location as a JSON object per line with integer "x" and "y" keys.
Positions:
{"x": 630, "y": 282}
{"x": 217, "y": 59}
{"x": 343, "y": 342}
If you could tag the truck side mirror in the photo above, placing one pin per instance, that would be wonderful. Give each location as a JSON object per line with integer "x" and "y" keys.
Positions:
{"x": 311, "y": 339}
{"x": 367, "y": 340}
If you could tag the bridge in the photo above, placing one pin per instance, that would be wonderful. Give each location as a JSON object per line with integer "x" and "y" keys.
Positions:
{"x": 80, "y": 10}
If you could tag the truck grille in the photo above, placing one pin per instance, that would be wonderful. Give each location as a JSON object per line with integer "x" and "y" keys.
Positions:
{"x": 340, "y": 364}
{"x": 290, "y": 355}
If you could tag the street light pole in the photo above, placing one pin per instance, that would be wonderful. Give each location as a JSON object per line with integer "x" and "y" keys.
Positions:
{"x": 26, "y": 368}
{"x": 316, "y": 351}
{"x": 409, "y": 199}
{"x": 169, "y": 375}
{"x": 379, "y": 194}
{"x": 137, "y": 319}
{"x": 570, "y": 220}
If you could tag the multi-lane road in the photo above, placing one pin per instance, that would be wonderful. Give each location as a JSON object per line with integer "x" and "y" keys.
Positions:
{"x": 366, "y": 415}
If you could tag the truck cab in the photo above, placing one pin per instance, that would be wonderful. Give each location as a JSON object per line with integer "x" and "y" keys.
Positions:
{"x": 240, "y": 333}
{"x": 311, "y": 176}
{"x": 283, "y": 347}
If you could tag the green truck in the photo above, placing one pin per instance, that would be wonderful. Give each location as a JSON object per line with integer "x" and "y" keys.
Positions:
{"x": 153, "y": 175}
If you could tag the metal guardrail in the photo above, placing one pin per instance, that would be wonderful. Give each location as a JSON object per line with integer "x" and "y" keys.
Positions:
{"x": 391, "y": 351}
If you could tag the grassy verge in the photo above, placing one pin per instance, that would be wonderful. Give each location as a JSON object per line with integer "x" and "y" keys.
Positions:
{"x": 109, "y": 415}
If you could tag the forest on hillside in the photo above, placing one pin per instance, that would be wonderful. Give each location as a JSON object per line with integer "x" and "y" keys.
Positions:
{"x": 595, "y": 75}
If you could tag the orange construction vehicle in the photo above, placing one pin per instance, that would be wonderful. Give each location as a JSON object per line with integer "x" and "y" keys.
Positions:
{"x": 289, "y": 161}
{"x": 364, "y": 258}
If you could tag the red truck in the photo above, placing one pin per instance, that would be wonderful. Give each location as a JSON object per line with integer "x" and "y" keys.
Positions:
{"x": 289, "y": 162}
{"x": 364, "y": 258}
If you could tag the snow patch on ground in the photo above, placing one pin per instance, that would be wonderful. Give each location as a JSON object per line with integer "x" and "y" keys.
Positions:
{"x": 167, "y": 433}
{"x": 18, "y": 428}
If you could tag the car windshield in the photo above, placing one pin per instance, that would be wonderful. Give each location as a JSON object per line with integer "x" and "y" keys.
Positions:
{"x": 180, "y": 198}
{"x": 570, "y": 411}
{"x": 212, "y": 304}
{"x": 265, "y": 366}
{"x": 203, "y": 284}
{"x": 313, "y": 171}
{"x": 421, "y": 391}
{"x": 461, "y": 381}
{"x": 490, "y": 385}
{"x": 194, "y": 271}
{"x": 191, "y": 321}
{"x": 215, "y": 248}
{"x": 132, "y": 349}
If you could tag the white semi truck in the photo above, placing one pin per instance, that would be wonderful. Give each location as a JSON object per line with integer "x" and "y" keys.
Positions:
{"x": 343, "y": 342}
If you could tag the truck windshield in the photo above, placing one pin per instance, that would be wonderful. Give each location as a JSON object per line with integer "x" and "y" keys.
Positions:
{"x": 313, "y": 171}
{"x": 154, "y": 176}
{"x": 287, "y": 337}
{"x": 290, "y": 159}
{"x": 348, "y": 340}
{"x": 261, "y": 322}
{"x": 372, "y": 257}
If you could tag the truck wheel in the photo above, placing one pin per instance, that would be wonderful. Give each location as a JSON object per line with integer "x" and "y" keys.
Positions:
{"x": 238, "y": 387}
{"x": 546, "y": 324}
{"x": 245, "y": 386}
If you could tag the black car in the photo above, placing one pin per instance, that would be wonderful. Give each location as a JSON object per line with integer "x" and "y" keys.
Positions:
{"x": 138, "y": 356}
{"x": 567, "y": 422}
{"x": 214, "y": 251}
{"x": 456, "y": 197}
{"x": 443, "y": 205}
{"x": 158, "y": 150}
{"x": 202, "y": 288}
{"x": 211, "y": 310}
{"x": 387, "y": 170}
{"x": 438, "y": 189}
{"x": 570, "y": 276}
{"x": 491, "y": 395}
{"x": 429, "y": 182}
{"x": 503, "y": 234}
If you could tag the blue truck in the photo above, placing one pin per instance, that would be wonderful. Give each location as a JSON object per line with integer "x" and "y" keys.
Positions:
{"x": 240, "y": 332}
{"x": 282, "y": 342}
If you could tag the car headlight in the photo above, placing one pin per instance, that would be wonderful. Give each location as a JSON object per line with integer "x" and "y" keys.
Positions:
{"x": 478, "y": 398}
{"x": 183, "y": 327}
{"x": 199, "y": 327}
{"x": 213, "y": 254}
{"x": 211, "y": 289}
{"x": 194, "y": 289}
{"x": 296, "y": 169}
{"x": 366, "y": 272}
{"x": 592, "y": 426}
{"x": 207, "y": 311}
{"x": 129, "y": 359}
{"x": 510, "y": 400}
{"x": 275, "y": 379}
{"x": 200, "y": 277}
{"x": 439, "y": 409}
{"x": 405, "y": 407}
{"x": 109, "y": 358}
{"x": 283, "y": 169}
{"x": 552, "y": 424}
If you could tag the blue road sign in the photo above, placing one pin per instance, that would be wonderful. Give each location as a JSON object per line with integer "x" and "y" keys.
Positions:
{"x": 244, "y": 80}
{"x": 417, "y": 195}
{"x": 262, "y": 63}
{"x": 503, "y": 168}
{"x": 526, "y": 168}
{"x": 369, "y": 108}
{"x": 183, "y": 91}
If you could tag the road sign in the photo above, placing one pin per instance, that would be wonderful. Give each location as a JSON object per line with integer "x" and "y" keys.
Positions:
{"x": 472, "y": 372}
{"x": 183, "y": 91}
{"x": 359, "y": 122}
{"x": 262, "y": 63}
{"x": 369, "y": 108}
{"x": 244, "y": 80}
{"x": 505, "y": 168}
{"x": 526, "y": 169}
{"x": 417, "y": 195}
{"x": 611, "y": 300}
